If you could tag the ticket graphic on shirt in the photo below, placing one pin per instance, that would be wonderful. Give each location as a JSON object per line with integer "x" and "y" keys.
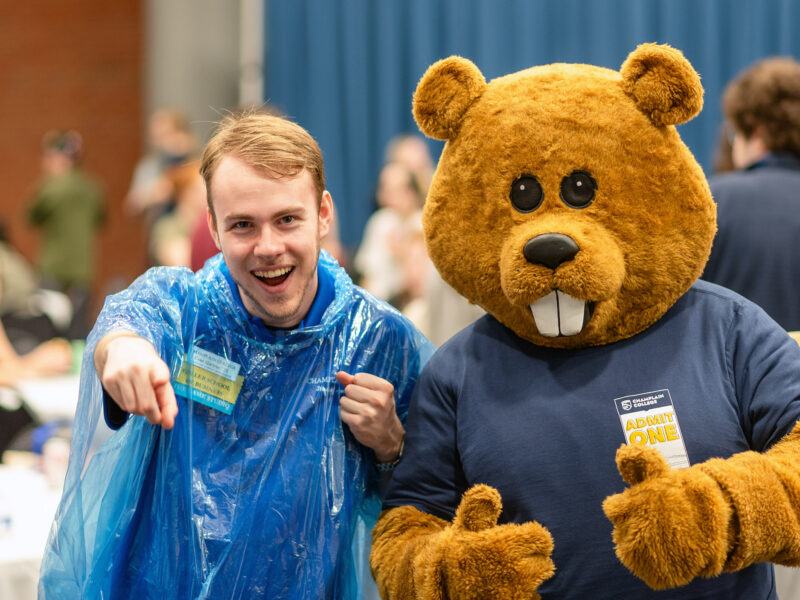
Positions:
{"x": 209, "y": 379}
{"x": 650, "y": 419}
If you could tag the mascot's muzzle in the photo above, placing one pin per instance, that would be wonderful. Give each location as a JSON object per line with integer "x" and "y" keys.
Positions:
{"x": 557, "y": 314}
{"x": 550, "y": 249}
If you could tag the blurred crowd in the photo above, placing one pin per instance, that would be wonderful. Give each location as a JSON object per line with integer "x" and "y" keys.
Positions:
{"x": 392, "y": 261}
{"x": 45, "y": 306}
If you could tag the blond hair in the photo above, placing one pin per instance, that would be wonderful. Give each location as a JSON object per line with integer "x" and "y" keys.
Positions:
{"x": 273, "y": 145}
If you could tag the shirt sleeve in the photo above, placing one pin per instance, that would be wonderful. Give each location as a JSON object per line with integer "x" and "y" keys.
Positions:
{"x": 765, "y": 366}
{"x": 414, "y": 361}
{"x": 429, "y": 477}
{"x": 115, "y": 416}
{"x": 396, "y": 351}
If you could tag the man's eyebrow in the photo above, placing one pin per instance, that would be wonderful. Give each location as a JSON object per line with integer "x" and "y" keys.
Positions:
{"x": 238, "y": 217}
{"x": 290, "y": 210}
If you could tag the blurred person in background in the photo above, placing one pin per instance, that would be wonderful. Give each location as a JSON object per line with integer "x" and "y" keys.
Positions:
{"x": 24, "y": 323}
{"x": 758, "y": 204}
{"x": 53, "y": 357}
{"x": 379, "y": 258}
{"x": 68, "y": 208}
{"x": 440, "y": 310}
{"x": 18, "y": 279}
{"x": 756, "y": 183}
{"x": 411, "y": 150}
{"x": 170, "y": 145}
{"x": 171, "y": 237}
{"x": 29, "y": 314}
{"x": 415, "y": 266}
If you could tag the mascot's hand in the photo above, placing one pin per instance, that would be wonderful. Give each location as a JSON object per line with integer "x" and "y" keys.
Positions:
{"x": 476, "y": 558}
{"x": 670, "y": 526}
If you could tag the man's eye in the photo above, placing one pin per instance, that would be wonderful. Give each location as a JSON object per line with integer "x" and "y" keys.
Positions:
{"x": 287, "y": 219}
{"x": 240, "y": 225}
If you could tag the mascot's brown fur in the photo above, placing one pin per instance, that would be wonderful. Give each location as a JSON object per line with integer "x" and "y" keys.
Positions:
{"x": 617, "y": 270}
{"x": 546, "y": 223}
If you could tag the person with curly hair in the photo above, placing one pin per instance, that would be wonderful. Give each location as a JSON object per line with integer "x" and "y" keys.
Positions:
{"x": 758, "y": 204}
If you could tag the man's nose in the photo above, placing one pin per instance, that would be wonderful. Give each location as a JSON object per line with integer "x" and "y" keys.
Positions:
{"x": 269, "y": 242}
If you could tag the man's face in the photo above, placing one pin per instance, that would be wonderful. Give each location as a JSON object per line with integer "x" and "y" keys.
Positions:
{"x": 269, "y": 232}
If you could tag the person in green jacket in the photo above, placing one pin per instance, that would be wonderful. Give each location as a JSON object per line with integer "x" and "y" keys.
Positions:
{"x": 68, "y": 207}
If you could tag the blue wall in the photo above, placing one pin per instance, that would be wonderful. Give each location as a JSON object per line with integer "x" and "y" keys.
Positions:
{"x": 346, "y": 69}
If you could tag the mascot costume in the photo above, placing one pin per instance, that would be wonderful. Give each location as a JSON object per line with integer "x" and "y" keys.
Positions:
{"x": 566, "y": 205}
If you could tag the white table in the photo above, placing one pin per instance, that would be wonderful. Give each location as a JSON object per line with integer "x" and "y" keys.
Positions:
{"x": 27, "y": 505}
{"x": 50, "y": 398}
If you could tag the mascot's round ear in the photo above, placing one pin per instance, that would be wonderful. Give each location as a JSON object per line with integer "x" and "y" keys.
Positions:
{"x": 663, "y": 84}
{"x": 445, "y": 92}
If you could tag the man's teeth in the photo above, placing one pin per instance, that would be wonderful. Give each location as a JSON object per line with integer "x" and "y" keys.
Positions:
{"x": 273, "y": 273}
{"x": 559, "y": 314}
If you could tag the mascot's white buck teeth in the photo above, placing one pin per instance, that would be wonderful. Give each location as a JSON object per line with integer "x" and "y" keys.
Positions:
{"x": 559, "y": 314}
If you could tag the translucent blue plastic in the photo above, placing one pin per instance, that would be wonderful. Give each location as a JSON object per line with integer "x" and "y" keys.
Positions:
{"x": 275, "y": 500}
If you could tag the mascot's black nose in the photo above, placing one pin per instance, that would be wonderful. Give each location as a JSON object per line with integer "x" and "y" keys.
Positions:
{"x": 550, "y": 249}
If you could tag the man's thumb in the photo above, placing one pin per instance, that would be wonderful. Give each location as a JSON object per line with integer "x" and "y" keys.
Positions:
{"x": 167, "y": 403}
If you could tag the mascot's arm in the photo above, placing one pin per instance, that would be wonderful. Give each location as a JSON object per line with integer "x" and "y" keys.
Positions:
{"x": 418, "y": 556}
{"x": 722, "y": 515}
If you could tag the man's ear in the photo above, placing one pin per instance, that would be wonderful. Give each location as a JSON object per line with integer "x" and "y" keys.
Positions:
{"x": 325, "y": 214}
{"x": 445, "y": 92}
{"x": 663, "y": 84}
{"x": 212, "y": 227}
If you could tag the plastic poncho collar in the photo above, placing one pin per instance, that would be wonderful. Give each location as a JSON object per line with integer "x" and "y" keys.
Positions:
{"x": 272, "y": 501}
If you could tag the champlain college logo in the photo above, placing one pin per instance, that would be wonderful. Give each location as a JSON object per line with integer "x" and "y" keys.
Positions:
{"x": 626, "y": 404}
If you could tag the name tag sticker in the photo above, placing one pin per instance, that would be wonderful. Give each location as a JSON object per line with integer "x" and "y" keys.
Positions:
{"x": 209, "y": 379}
{"x": 649, "y": 419}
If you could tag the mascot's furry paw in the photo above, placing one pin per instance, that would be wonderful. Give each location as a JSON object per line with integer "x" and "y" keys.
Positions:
{"x": 476, "y": 558}
{"x": 418, "y": 556}
{"x": 670, "y": 526}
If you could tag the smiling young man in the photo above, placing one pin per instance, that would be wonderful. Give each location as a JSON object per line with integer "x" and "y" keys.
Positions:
{"x": 273, "y": 392}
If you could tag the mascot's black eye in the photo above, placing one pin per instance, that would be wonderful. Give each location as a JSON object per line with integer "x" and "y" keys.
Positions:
{"x": 577, "y": 189}
{"x": 526, "y": 194}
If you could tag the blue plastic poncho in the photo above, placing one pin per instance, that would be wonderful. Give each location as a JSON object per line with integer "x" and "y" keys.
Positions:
{"x": 258, "y": 491}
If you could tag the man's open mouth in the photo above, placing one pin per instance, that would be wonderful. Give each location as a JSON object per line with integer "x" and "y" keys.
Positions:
{"x": 559, "y": 314}
{"x": 274, "y": 276}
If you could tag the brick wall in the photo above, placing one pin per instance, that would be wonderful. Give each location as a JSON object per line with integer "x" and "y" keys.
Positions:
{"x": 76, "y": 65}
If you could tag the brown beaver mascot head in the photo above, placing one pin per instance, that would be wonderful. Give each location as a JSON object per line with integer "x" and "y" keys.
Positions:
{"x": 565, "y": 203}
